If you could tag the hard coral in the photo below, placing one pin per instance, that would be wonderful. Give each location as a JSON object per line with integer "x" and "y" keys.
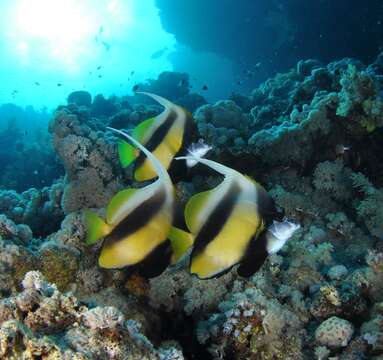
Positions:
{"x": 252, "y": 325}
{"x": 334, "y": 332}
{"x": 359, "y": 99}
{"x": 90, "y": 160}
{"x": 81, "y": 333}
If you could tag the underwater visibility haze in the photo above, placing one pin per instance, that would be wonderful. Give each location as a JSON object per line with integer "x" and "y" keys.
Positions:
{"x": 191, "y": 179}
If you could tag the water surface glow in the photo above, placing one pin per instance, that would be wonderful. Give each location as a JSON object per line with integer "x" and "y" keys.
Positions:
{"x": 51, "y": 47}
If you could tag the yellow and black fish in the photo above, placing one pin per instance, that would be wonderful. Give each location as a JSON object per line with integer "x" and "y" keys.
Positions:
{"x": 165, "y": 135}
{"x": 138, "y": 229}
{"x": 232, "y": 224}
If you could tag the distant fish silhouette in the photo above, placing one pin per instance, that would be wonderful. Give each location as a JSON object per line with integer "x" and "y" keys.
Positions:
{"x": 135, "y": 87}
{"x": 159, "y": 53}
{"x": 106, "y": 45}
{"x": 132, "y": 72}
{"x": 59, "y": 84}
{"x": 99, "y": 67}
{"x": 205, "y": 87}
{"x": 99, "y": 76}
{"x": 37, "y": 83}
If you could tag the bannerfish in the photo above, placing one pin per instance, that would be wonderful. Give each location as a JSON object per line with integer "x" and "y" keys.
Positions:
{"x": 234, "y": 223}
{"x": 165, "y": 135}
{"x": 138, "y": 228}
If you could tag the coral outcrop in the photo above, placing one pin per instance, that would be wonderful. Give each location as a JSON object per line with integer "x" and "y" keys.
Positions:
{"x": 89, "y": 157}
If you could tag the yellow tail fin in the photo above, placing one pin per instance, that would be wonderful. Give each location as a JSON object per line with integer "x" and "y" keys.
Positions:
{"x": 96, "y": 228}
{"x": 181, "y": 241}
{"x": 127, "y": 153}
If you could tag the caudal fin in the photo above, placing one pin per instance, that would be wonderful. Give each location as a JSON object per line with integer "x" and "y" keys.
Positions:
{"x": 96, "y": 228}
{"x": 127, "y": 153}
{"x": 161, "y": 171}
{"x": 181, "y": 241}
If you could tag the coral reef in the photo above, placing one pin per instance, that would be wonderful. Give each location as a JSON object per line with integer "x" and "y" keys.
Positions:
{"x": 39, "y": 209}
{"x": 174, "y": 86}
{"x": 80, "y": 98}
{"x": 30, "y": 319}
{"x": 89, "y": 157}
{"x": 311, "y": 136}
{"x": 334, "y": 332}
